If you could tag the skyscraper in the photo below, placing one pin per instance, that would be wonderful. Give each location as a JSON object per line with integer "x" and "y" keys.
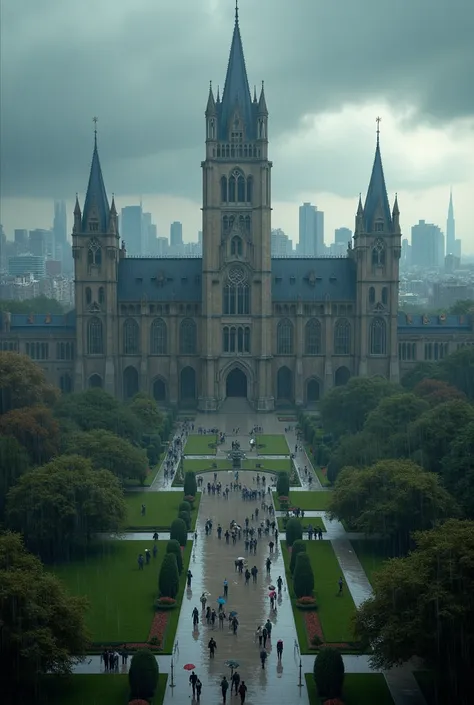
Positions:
{"x": 311, "y": 231}
{"x": 131, "y": 224}
{"x": 176, "y": 234}
{"x": 451, "y": 229}
{"x": 427, "y": 245}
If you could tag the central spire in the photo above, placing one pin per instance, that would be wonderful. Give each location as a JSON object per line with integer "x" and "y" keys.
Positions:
{"x": 96, "y": 202}
{"x": 376, "y": 202}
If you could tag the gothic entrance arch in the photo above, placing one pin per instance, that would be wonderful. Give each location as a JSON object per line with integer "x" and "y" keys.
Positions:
{"x": 236, "y": 383}
{"x": 130, "y": 382}
{"x": 284, "y": 384}
{"x": 159, "y": 390}
{"x": 312, "y": 391}
{"x": 187, "y": 387}
{"x": 95, "y": 382}
{"x": 342, "y": 376}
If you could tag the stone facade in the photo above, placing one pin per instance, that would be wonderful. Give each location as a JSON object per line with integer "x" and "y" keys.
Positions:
{"x": 236, "y": 322}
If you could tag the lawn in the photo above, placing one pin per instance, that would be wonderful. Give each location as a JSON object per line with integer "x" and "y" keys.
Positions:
{"x": 319, "y": 472}
{"x": 198, "y": 465}
{"x": 161, "y": 510}
{"x": 106, "y": 689}
{"x": 272, "y": 445}
{"x": 358, "y": 689}
{"x": 372, "y": 554}
{"x": 315, "y": 521}
{"x": 149, "y": 478}
{"x": 120, "y": 596}
{"x": 201, "y": 445}
{"x": 316, "y": 501}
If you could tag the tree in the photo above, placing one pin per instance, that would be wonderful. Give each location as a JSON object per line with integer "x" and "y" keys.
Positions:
{"x": 13, "y": 463}
{"x": 184, "y": 507}
{"x": 393, "y": 415}
{"x": 303, "y": 578}
{"x": 458, "y": 370}
{"x": 283, "y": 484}
{"x": 435, "y": 391}
{"x": 432, "y": 434}
{"x": 42, "y": 626}
{"x": 328, "y": 673}
{"x": 355, "y": 450}
{"x": 421, "y": 371}
{"x": 345, "y": 409}
{"x": 294, "y": 531}
{"x": 39, "y": 304}
{"x": 64, "y": 503}
{"x": 174, "y": 547}
{"x": 462, "y": 307}
{"x": 107, "y": 451}
{"x": 146, "y": 410}
{"x": 186, "y": 517}
{"x": 35, "y": 429}
{"x": 190, "y": 484}
{"x": 393, "y": 498}
{"x": 179, "y": 531}
{"x": 299, "y": 546}
{"x": 422, "y": 606}
{"x": 143, "y": 675}
{"x": 168, "y": 580}
{"x": 457, "y": 469}
{"x": 23, "y": 383}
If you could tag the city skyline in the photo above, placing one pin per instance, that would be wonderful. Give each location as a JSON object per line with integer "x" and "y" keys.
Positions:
{"x": 321, "y": 141}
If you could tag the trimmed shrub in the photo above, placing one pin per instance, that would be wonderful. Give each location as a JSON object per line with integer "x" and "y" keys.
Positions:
{"x": 168, "y": 580}
{"x": 179, "y": 531}
{"x": 184, "y": 507}
{"x": 190, "y": 484}
{"x": 190, "y": 498}
{"x": 328, "y": 673}
{"x": 306, "y": 603}
{"x": 294, "y": 531}
{"x": 143, "y": 675}
{"x": 303, "y": 578}
{"x": 165, "y": 603}
{"x": 186, "y": 517}
{"x": 299, "y": 546}
{"x": 283, "y": 484}
{"x": 173, "y": 547}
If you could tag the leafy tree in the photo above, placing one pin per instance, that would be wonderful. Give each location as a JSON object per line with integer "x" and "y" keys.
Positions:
{"x": 457, "y": 469}
{"x": 393, "y": 415}
{"x": 345, "y": 409}
{"x": 179, "y": 531}
{"x": 23, "y": 383}
{"x": 328, "y": 673}
{"x": 299, "y": 546}
{"x": 168, "y": 580}
{"x": 107, "y": 451}
{"x": 303, "y": 578}
{"x": 186, "y": 517}
{"x": 184, "y": 507}
{"x": 432, "y": 434}
{"x": 294, "y": 531}
{"x": 462, "y": 307}
{"x": 13, "y": 463}
{"x": 40, "y": 304}
{"x": 283, "y": 484}
{"x": 34, "y": 428}
{"x": 174, "y": 547}
{"x": 458, "y": 370}
{"x": 146, "y": 410}
{"x": 393, "y": 498}
{"x": 64, "y": 503}
{"x": 42, "y": 626}
{"x": 435, "y": 391}
{"x": 422, "y": 606}
{"x": 421, "y": 371}
{"x": 143, "y": 675}
{"x": 153, "y": 448}
{"x": 355, "y": 450}
{"x": 190, "y": 484}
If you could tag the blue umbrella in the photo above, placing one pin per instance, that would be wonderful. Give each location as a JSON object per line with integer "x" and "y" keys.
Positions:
{"x": 220, "y": 601}
{"x": 233, "y": 613}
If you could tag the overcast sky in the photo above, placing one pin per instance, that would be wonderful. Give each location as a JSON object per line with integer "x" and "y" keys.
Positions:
{"x": 143, "y": 66}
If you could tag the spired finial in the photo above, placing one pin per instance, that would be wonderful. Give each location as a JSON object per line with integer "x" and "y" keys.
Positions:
{"x": 236, "y": 11}
{"x": 378, "y": 120}
{"x": 95, "y": 120}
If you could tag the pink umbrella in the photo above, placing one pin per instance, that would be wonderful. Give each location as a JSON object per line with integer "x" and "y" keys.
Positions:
{"x": 272, "y": 594}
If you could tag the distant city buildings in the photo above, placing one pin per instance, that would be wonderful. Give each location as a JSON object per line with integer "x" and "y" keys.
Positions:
{"x": 427, "y": 245}
{"x": 131, "y": 229}
{"x": 281, "y": 245}
{"x": 311, "y": 231}
{"x": 176, "y": 235}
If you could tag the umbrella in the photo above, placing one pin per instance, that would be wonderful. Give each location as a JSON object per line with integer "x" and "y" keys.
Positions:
{"x": 220, "y": 601}
{"x": 232, "y": 664}
{"x": 233, "y": 613}
{"x": 271, "y": 587}
{"x": 241, "y": 558}
{"x": 272, "y": 594}
{"x": 189, "y": 666}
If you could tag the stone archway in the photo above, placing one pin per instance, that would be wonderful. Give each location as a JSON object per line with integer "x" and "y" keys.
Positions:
{"x": 236, "y": 383}
{"x": 130, "y": 382}
{"x": 313, "y": 391}
{"x": 187, "y": 386}
{"x": 95, "y": 382}
{"x": 159, "y": 390}
{"x": 342, "y": 376}
{"x": 284, "y": 384}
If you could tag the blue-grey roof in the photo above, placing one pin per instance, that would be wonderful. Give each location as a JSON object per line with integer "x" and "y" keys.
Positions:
{"x": 160, "y": 279}
{"x": 313, "y": 279}
{"x": 377, "y": 194}
{"x": 417, "y": 323}
{"x": 96, "y": 193}
{"x": 20, "y": 321}
{"x": 236, "y": 90}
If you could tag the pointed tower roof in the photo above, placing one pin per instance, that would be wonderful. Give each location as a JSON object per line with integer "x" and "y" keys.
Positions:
{"x": 236, "y": 88}
{"x": 77, "y": 207}
{"x": 376, "y": 202}
{"x": 262, "y": 103}
{"x": 96, "y": 202}
{"x": 211, "y": 103}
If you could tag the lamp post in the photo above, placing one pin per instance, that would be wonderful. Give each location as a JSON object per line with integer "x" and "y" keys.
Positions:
{"x": 172, "y": 684}
{"x": 300, "y": 684}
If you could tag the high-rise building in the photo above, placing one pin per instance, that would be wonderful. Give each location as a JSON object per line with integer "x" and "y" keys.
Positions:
{"x": 62, "y": 249}
{"x": 427, "y": 245}
{"x": 281, "y": 245}
{"x": 131, "y": 223}
{"x": 342, "y": 236}
{"x": 311, "y": 231}
{"x": 21, "y": 241}
{"x": 41, "y": 243}
{"x": 176, "y": 234}
{"x": 451, "y": 229}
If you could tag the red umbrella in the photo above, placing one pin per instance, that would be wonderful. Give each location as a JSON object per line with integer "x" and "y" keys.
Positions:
{"x": 189, "y": 666}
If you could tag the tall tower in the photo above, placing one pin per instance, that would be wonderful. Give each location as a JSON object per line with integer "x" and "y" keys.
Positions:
{"x": 96, "y": 253}
{"x": 377, "y": 251}
{"x": 451, "y": 228}
{"x": 236, "y": 276}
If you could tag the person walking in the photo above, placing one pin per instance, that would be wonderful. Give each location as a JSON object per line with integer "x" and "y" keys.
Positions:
{"x": 263, "y": 657}
{"x": 259, "y": 634}
{"x": 198, "y": 690}
{"x": 224, "y": 688}
{"x": 279, "y": 583}
{"x": 264, "y": 637}
{"x": 226, "y": 587}
{"x": 193, "y": 679}
{"x": 340, "y": 583}
{"x": 242, "y": 692}
{"x": 235, "y": 682}
{"x": 279, "y": 649}
{"x": 212, "y": 646}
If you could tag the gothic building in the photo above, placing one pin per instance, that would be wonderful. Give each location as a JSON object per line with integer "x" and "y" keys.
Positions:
{"x": 236, "y": 322}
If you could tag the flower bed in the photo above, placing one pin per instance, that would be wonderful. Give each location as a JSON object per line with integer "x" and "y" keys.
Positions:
{"x": 165, "y": 603}
{"x": 315, "y": 634}
{"x": 189, "y": 498}
{"x": 158, "y": 627}
{"x": 143, "y": 702}
{"x": 331, "y": 701}
{"x": 306, "y": 603}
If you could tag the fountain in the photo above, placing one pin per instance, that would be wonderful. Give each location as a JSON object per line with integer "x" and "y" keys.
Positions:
{"x": 236, "y": 455}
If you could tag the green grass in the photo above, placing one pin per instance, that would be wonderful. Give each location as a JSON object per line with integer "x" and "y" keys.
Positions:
{"x": 105, "y": 689}
{"x": 272, "y": 445}
{"x": 315, "y": 521}
{"x": 200, "y": 445}
{"x": 372, "y": 554}
{"x": 201, "y": 465}
{"x": 316, "y": 501}
{"x": 161, "y": 509}
{"x": 358, "y": 689}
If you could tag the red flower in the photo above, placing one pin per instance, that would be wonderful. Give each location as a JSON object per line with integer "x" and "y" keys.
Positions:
{"x": 158, "y": 626}
{"x": 167, "y": 601}
{"x": 332, "y": 701}
{"x": 138, "y": 702}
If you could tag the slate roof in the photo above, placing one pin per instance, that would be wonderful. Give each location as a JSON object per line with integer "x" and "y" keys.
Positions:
{"x": 377, "y": 193}
{"x": 96, "y": 194}
{"x": 160, "y": 279}
{"x": 19, "y": 322}
{"x": 433, "y": 324}
{"x": 334, "y": 278}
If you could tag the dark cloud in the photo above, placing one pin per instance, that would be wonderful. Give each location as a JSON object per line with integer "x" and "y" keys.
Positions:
{"x": 143, "y": 66}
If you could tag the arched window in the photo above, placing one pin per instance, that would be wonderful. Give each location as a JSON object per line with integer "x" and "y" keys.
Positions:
{"x": 158, "y": 337}
{"x": 101, "y": 295}
{"x": 236, "y": 299}
{"x": 224, "y": 189}
{"x": 232, "y": 189}
{"x": 94, "y": 253}
{"x": 241, "y": 195}
{"x": 187, "y": 337}
{"x": 249, "y": 189}
{"x": 65, "y": 383}
{"x": 313, "y": 337}
{"x": 378, "y": 337}
{"x": 247, "y": 339}
{"x": 236, "y": 246}
{"x": 342, "y": 337}
{"x": 371, "y": 295}
{"x": 236, "y": 339}
{"x": 131, "y": 337}
{"x": 285, "y": 337}
{"x": 88, "y": 295}
{"x": 225, "y": 343}
{"x": 378, "y": 254}
{"x": 385, "y": 295}
{"x": 95, "y": 338}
